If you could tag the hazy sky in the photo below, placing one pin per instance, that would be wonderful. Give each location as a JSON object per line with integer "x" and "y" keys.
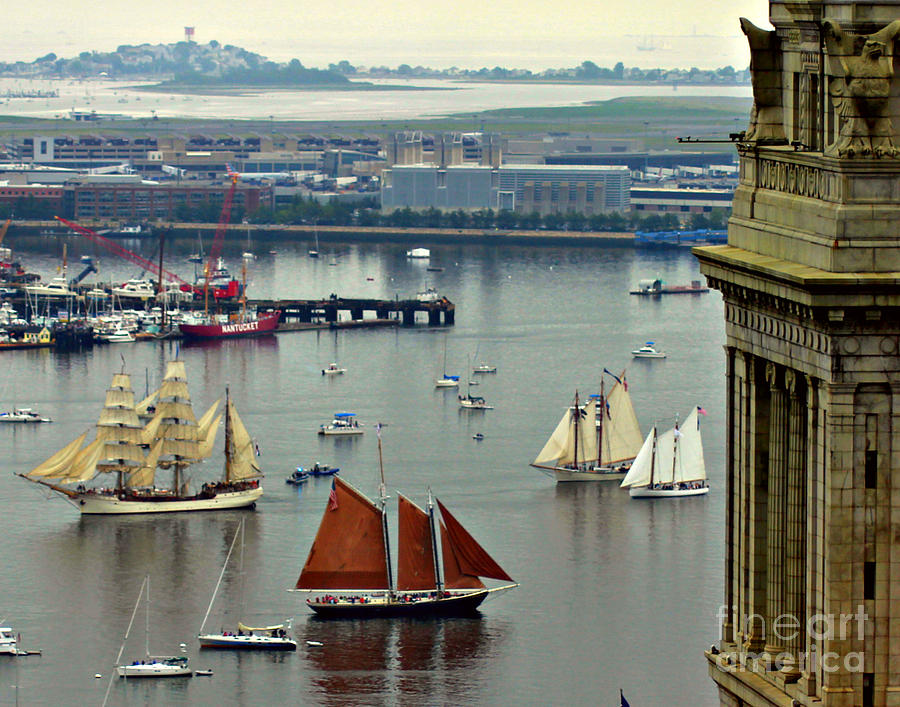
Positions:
{"x": 532, "y": 34}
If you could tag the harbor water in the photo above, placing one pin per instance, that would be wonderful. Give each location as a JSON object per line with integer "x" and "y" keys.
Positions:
{"x": 615, "y": 593}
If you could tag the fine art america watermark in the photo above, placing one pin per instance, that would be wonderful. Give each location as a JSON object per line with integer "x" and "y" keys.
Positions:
{"x": 786, "y": 628}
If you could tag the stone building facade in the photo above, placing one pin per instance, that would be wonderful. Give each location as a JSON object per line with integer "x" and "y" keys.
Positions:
{"x": 811, "y": 283}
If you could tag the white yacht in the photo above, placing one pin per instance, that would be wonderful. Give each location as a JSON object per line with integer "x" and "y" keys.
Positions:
{"x": 647, "y": 351}
{"x": 142, "y": 289}
{"x": 343, "y": 424}
{"x": 57, "y": 287}
{"x": 8, "y": 641}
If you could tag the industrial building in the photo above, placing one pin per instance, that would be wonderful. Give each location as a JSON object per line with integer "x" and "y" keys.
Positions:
{"x": 522, "y": 188}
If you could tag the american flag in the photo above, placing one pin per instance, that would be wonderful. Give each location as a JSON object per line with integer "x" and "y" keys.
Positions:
{"x": 332, "y": 498}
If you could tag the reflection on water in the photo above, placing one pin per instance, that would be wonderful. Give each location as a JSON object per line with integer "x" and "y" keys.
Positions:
{"x": 418, "y": 658}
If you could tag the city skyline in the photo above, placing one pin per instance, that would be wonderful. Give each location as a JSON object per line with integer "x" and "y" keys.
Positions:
{"x": 649, "y": 34}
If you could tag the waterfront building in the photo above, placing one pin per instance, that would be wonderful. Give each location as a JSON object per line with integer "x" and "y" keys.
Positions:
{"x": 521, "y": 188}
{"x": 134, "y": 199}
{"x": 585, "y": 189}
{"x": 425, "y": 186}
{"x": 810, "y": 279}
{"x": 679, "y": 201}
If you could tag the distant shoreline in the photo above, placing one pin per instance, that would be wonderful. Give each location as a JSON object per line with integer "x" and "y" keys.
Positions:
{"x": 360, "y": 234}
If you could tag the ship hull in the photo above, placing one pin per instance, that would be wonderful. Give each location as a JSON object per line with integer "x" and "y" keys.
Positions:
{"x": 266, "y": 324}
{"x": 99, "y": 504}
{"x": 463, "y": 605}
{"x": 645, "y": 492}
{"x": 253, "y": 643}
{"x": 562, "y": 474}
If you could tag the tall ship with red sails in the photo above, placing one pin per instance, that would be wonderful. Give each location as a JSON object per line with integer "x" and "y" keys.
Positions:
{"x": 132, "y": 467}
{"x": 349, "y": 571}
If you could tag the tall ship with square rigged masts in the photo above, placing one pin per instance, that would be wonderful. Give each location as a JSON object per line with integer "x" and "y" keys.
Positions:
{"x": 117, "y": 472}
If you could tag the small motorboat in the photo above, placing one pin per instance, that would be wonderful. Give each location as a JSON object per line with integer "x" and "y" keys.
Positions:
{"x": 484, "y": 368}
{"x": 321, "y": 470}
{"x": 23, "y": 415}
{"x": 333, "y": 370}
{"x": 478, "y": 436}
{"x": 297, "y": 477}
{"x": 647, "y": 351}
{"x": 204, "y": 672}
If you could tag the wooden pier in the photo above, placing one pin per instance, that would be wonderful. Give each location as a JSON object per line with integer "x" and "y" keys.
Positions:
{"x": 334, "y": 309}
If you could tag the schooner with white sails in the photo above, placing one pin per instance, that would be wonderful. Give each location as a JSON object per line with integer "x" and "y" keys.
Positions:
{"x": 670, "y": 464}
{"x": 595, "y": 441}
{"x": 120, "y": 470}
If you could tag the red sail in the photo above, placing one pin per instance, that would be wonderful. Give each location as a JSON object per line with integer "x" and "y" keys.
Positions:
{"x": 471, "y": 558}
{"x": 454, "y": 577}
{"x": 415, "y": 561}
{"x": 348, "y": 552}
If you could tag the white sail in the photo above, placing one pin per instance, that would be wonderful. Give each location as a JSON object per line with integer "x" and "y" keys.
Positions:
{"x": 57, "y": 466}
{"x": 206, "y": 444}
{"x": 176, "y": 409}
{"x": 587, "y": 435}
{"x": 151, "y": 430}
{"x": 144, "y": 476}
{"x": 119, "y": 397}
{"x": 558, "y": 442}
{"x": 690, "y": 466}
{"x": 84, "y": 468}
{"x": 642, "y": 466}
{"x": 174, "y": 389}
{"x": 175, "y": 370}
{"x": 572, "y": 437}
{"x": 665, "y": 458}
{"x": 119, "y": 432}
{"x": 204, "y": 422}
{"x": 243, "y": 451}
{"x": 143, "y": 407}
{"x": 621, "y": 433}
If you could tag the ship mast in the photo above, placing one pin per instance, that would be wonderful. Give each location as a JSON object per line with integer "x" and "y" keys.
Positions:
{"x": 434, "y": 549}
{"x": 576, "y": 414}
{"x": 382, "y": 491}
{"x": 229, "y": 446}
{"x": 602, "y": 422}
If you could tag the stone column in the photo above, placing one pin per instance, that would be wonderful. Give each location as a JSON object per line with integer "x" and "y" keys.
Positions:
{"x": 775, "y": 540}
{"x": 755, "y": 431}
{"x": 730, "y": 624}
{"x": 795, "y": 530}
{"x": 815, "y": 498}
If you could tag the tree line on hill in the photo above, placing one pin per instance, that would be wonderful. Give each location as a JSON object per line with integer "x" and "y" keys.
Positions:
{"x": 308, "y": 211}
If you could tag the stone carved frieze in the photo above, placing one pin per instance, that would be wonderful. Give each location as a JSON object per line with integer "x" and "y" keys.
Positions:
{"x": 860, "y": 96}
{"x": 798, "y": 179}
{"x": 767, "y": 118}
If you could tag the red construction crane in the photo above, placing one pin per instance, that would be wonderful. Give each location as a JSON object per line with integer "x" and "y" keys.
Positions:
{"x": 216, "y": 250}
{"x": 114, "y": 247}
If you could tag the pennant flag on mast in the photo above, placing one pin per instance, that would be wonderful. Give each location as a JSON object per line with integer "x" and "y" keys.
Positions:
{"x": 622, "y": 701}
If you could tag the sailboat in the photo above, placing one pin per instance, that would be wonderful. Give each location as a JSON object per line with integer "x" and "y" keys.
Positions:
{"x": 349, "y": 569}
{"x": 271, "y": 638}
{"x": 176, "y": 442}
{"x": 670, "y": 464}
{"x": 591, "y": 446}
{"x": 151, "y": 666}
{"x": 469, "y": 401}
{"x": 314, "y": 252}
{"x": 446, "y": 381}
